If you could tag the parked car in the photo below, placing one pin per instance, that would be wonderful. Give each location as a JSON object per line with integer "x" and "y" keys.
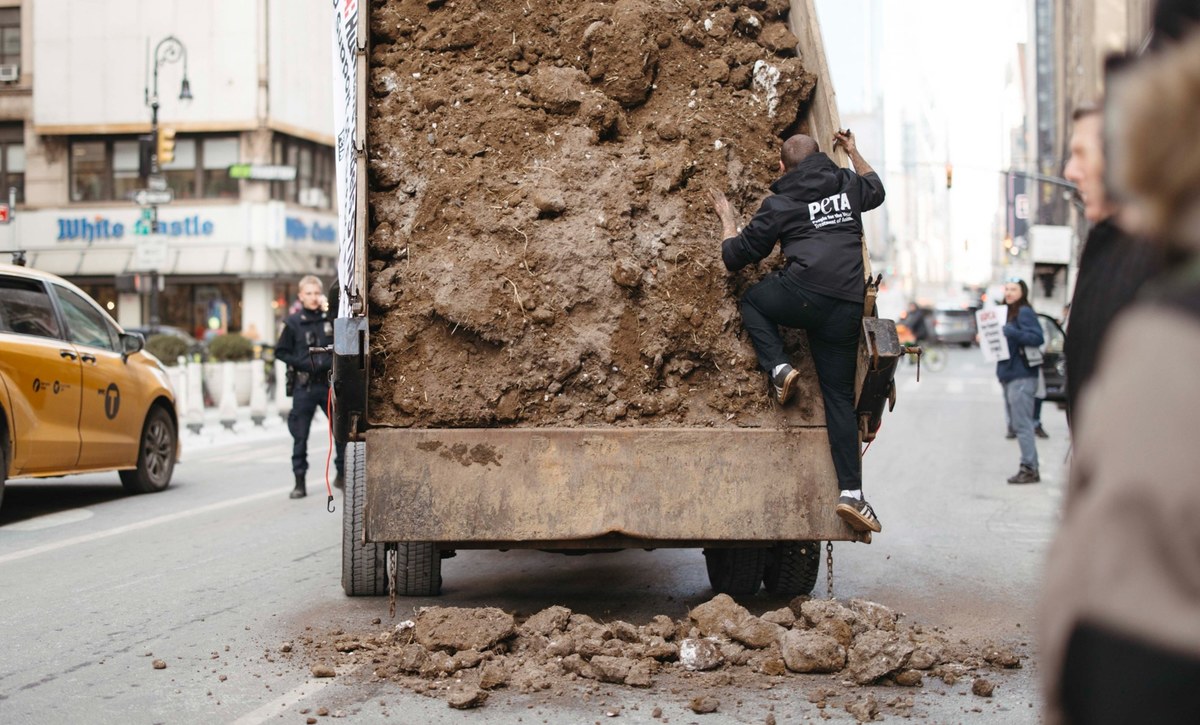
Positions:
{"x": 1054, "y": 359}
{"x": 77, "y": 393}
{"x": 953, "y": 326}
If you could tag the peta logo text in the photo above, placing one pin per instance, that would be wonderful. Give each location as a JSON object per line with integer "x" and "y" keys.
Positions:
{"x": 833, "y": 209}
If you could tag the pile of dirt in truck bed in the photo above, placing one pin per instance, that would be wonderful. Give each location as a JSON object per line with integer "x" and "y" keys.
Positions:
{"x": 464, "y": 655}
{"x": 541, "y": 248}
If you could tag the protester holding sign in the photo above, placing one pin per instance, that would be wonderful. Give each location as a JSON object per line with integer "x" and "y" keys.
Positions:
{"x": 1019, "y": 374}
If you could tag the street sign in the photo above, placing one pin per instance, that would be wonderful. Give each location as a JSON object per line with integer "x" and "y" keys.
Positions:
{"x": 156, "y": 182}
{"x": 150, "y": 252}
{"x": 148, "y": 197}
{"x": 262, "y": 172}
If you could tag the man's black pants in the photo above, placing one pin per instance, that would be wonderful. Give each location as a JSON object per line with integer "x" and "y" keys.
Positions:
{"x": 833, "y": 327}
{"x": 305, "y": 401}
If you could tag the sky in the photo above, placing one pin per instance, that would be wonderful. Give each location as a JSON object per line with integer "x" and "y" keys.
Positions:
{"x": 949, "y": 57}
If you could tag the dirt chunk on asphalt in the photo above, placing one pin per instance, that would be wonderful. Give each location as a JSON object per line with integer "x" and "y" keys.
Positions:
{"x": 704, "y": 704}
{"x": 462, "y": 654}
{"x": 456, "y": 628}
{"x": 982, "y": 687}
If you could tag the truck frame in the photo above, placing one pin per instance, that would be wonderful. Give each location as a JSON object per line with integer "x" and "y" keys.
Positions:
{"x": 414, "y": 496}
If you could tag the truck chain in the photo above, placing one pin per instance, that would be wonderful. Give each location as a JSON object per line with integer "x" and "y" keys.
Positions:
{"x": 829, "y": 569}
{"x": 390, "y": 553}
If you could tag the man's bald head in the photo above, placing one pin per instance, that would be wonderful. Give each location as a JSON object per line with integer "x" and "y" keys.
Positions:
{"x": 796, "y": 149}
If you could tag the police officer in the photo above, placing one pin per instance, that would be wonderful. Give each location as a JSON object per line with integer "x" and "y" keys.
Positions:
{"x": 308, "y": 374}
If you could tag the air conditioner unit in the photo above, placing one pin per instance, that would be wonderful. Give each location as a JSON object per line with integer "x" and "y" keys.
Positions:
{"x": 10, "y": 72}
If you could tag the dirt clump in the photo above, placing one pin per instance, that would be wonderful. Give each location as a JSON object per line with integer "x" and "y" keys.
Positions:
{"x": 540, "y": 245}
{"x": 464, "y": 656}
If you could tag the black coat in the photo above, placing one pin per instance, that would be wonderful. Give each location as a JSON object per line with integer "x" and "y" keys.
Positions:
{"x": 302, "y": 330}
{"x": 1112, "y": 268}
{"x": 815, "y": 214}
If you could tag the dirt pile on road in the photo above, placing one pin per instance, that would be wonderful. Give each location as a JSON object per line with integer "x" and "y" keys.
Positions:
{"x": 541, "y": 248}
{"x": 462, "y": 655}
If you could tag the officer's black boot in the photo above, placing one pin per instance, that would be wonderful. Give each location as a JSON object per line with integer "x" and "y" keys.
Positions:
{"x": 299, "y": 491}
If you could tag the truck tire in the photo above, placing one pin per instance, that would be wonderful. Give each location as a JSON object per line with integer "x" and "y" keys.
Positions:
{"x": 364, "y": 566}
{"x": 156, "y": 454}
{"x": 418, "y": 569}
{"x": 792, "y": 567}
{"x": 737, "y": 572}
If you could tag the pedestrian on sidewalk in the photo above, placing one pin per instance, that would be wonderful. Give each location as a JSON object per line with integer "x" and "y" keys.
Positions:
{"x": 1019, "y": 378}
{"x": 308, "y": 375}
{"x": 815, "y": 215}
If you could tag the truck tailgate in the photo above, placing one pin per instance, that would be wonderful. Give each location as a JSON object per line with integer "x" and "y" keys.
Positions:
{"x": 591, "y": 487}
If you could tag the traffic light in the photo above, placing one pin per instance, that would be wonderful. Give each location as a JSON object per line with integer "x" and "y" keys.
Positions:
{"x": 949, "y": 174}
{"x": 145, "y": 151}
{"x": 166, "y": 146}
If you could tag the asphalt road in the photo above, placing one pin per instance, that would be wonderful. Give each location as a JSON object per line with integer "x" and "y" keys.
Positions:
{"x": 214, "y": 574}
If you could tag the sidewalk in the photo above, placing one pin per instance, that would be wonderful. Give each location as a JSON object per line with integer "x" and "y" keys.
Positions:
{"x": 214, "y": 434}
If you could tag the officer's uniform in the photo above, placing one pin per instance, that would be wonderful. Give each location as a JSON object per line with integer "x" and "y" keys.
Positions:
{"x": 310, "y": 383}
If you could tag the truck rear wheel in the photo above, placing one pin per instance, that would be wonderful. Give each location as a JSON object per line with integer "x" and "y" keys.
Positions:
{"x": 737, "y": 572}
{"x": 364, "y": 566}
{"x": 792, "y": 567}
{"x": 418, "y": 569}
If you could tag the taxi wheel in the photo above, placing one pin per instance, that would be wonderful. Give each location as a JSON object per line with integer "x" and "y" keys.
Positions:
{"x": 156, "y": 455}
{"x": 3, "y": 470}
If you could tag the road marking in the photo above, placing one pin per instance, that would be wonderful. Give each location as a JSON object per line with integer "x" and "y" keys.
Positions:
{"x": 96, "y": 536}
{"x": 954, "y": 387}
{"x": 49, "y": 521}
{"x": 276, "y": 707}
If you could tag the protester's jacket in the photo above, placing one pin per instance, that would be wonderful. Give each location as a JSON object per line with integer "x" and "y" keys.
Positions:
{"x": 1022, "y": 332}
{"x": 1112, "y": 268}
{"x": 815, "y": 214}
{"x": 302, "y": 330}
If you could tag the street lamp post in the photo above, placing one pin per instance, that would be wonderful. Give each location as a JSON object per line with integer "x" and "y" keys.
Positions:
{"x": 168, "y": 50}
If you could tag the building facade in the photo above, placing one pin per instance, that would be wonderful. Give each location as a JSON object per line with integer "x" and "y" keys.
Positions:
{"x": 1070, "y": 41}
{"x": 251, "y": 180}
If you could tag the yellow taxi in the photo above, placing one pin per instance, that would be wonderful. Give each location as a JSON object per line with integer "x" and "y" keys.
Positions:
{"x": 78, "y": 394}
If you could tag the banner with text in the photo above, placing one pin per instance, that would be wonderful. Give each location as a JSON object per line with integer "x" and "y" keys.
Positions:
{"x": 345, "y": 125}
{"x": 990, "y": 323}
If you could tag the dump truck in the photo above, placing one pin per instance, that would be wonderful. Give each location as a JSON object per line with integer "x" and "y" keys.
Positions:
{"x": 537, "y": 345}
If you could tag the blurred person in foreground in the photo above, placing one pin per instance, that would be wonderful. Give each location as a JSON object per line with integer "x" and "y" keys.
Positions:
{"x": 308, "y": 373}
{"x": 1120, "y": 620}
{"x": 1112, "y": 265}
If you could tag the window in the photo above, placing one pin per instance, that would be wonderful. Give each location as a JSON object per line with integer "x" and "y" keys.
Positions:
{"x": 10, "y": 36}
{"x": 181, "y": 172}
{"x": 219, "y": 155}
{"x": 85, "y": 324}
{"x": 108, "y": 170}
{"x": 12, "y": 161}
{"x": 125, "y": 169}
{"x": 88, "y": 171}
{"x": 25, "y": 308}
{"x": 314, "y": 165}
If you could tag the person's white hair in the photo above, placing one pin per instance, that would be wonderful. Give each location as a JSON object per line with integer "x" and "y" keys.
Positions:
{"x": 308, "y": 280}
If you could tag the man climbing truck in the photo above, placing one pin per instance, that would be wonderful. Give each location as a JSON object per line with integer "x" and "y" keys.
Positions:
{"x": 531, "y": 350}
{"x": 815, "y": 215}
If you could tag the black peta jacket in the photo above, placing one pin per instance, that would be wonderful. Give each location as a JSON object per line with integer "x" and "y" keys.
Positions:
{"x": 815, "y": 214}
